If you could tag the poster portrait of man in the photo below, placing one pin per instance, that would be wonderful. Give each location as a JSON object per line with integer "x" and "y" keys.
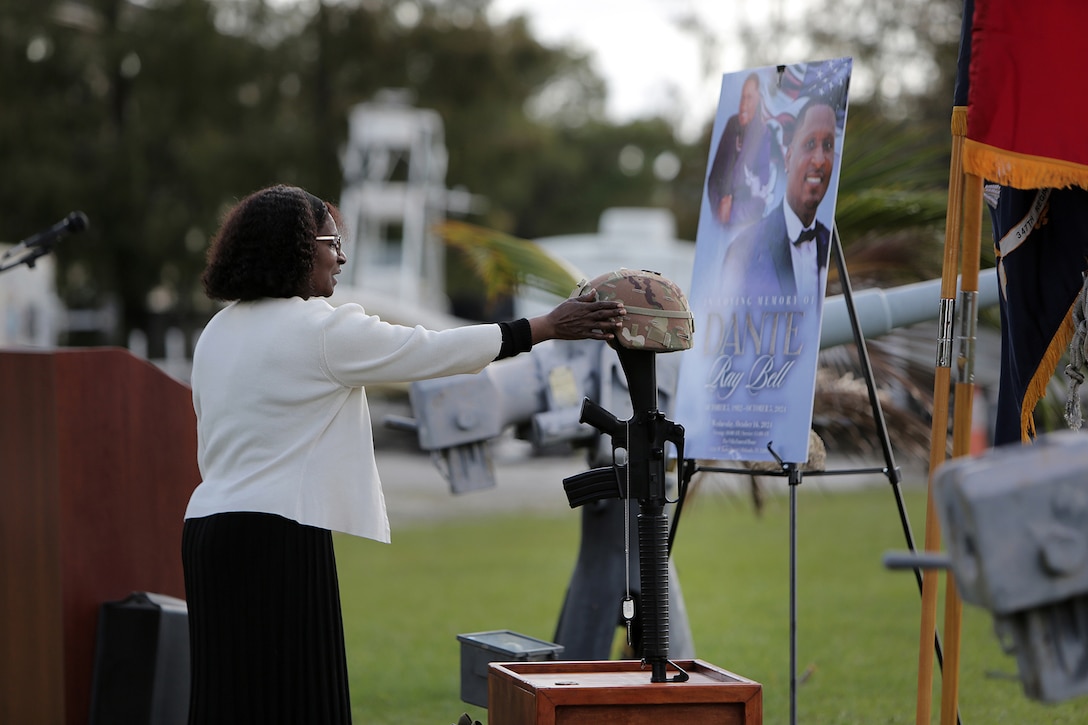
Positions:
{"x": 746, "y": 388}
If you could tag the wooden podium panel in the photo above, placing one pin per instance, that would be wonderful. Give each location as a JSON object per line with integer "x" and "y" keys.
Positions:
{"x": 618, "y": 693}
{"x": 97, "y": 461}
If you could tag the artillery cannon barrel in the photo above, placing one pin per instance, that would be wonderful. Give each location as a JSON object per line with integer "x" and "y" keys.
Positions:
{"x": 880, "y": 311}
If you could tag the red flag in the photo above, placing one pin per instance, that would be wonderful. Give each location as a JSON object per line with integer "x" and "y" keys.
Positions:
{"x": 1018, "y": 66}
{"x": 1026, "y": 111}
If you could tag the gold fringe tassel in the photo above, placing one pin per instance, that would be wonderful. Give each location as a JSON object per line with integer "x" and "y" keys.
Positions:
{"x": 1021, "y": 171}
{"x": 1036, "y": 389}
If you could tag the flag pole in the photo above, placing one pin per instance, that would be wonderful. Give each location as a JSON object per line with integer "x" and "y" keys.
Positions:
{"x": 939, "y": 431}
{"x": 961, "y": 429}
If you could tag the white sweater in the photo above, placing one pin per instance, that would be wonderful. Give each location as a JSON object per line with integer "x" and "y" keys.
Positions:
{"x": 282, "y": 420}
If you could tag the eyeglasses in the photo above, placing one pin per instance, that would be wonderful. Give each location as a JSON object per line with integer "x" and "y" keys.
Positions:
{"x": 333, "y": 238}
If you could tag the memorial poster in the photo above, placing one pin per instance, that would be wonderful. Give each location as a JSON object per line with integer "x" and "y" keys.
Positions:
{"x": 762, "y": 249}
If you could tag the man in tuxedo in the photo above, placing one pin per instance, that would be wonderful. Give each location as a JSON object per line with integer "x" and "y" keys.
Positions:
{"x": 785, "y": 254}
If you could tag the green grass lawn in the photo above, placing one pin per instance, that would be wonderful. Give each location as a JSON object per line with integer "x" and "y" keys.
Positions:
{"x": 858, "y": 623}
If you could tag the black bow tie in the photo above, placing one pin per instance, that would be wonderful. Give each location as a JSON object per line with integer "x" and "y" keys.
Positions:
{"x": 806, "y": 236}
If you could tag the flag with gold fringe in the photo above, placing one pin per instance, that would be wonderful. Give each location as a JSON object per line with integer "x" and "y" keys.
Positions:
{"x": 1024, "y": 112}
{"x": 1018, "y": 66}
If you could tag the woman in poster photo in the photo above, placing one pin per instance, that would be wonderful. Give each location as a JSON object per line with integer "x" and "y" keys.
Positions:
{"x": 743, "y": 175}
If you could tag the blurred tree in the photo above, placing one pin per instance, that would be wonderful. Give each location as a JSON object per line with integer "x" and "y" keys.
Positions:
{"x": 904, "y": 51}
{"x": 149, "y": 118}
{"x": 153, "y": 115}
{"x": 524, "y": 122}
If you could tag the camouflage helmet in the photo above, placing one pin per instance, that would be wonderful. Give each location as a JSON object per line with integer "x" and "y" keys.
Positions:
{"x": 658, "y": 318}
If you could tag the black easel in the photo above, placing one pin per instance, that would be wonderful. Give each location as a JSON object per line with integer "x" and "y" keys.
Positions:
{"x": 794, "y": 475}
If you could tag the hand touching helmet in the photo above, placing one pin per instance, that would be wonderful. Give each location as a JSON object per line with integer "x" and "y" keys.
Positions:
{"x": 658, "y": 318}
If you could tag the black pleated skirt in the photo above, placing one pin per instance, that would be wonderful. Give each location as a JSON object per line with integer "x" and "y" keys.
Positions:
{"x": 265, "y": 629}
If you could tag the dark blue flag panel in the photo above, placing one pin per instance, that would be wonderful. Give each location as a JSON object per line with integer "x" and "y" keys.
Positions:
{"x": 1041, "y": 238}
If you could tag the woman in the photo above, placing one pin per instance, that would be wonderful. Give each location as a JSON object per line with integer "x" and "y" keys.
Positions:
{"x": 286, "y": 454}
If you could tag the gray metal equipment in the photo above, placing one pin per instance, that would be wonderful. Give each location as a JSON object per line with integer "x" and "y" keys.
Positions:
{"x": 541, "y": 394}
{"x": 1016, "y": 523}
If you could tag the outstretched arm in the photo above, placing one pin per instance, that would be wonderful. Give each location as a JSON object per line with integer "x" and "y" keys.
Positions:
{"x": 579, "y": 318}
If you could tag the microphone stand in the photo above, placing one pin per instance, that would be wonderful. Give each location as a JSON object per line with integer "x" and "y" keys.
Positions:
{"x": 29, "y": 258}
{"x": 41, "y": 244}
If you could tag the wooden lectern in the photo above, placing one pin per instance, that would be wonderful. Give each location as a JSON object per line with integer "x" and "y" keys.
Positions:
{"x": 97, "y": 461}
{"x": 615, "y": 692}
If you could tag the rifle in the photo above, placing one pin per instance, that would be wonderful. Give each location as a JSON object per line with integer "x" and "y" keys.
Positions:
{"x": 639, "y": 443}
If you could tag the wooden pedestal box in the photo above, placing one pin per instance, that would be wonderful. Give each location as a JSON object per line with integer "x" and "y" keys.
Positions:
{"x": 618, "y": 693}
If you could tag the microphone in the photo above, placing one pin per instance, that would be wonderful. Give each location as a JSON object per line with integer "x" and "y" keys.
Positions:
{"x": 74, "y": 222}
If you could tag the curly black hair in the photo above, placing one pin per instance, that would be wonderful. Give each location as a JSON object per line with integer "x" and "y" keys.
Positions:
{"x": 265, "y": 246}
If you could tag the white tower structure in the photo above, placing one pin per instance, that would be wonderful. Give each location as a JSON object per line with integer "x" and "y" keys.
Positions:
{"x": 31, "y": 313}
{"x": 394, "y": 193}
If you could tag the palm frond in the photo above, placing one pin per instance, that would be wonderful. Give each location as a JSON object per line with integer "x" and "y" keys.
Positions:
{"x": 889, "y": 209}
{"x": 892, "y": 155}
{"x": 505, "y": 263}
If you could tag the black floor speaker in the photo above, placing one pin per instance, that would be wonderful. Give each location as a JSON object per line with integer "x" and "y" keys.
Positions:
{"x": 141, "y": 667}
